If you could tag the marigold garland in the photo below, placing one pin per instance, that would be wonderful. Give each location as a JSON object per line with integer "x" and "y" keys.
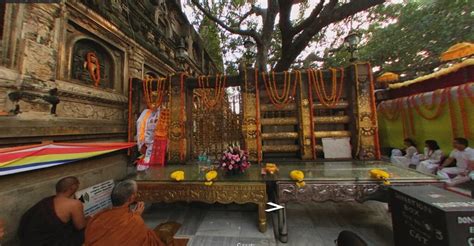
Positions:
{"x": 272, "y": 91}
{"x": 311, "y": 115}
{"x": 257, "y": 120}
{"x": 154, "y": 98}
{"x": 219, "y": 87}
{"x": 462, "y": 109}
{"x": 390, "y": 110}
{"x": 452, "y": 113}
{"x": 332, "y": 100}
{"x": 438, "y": 110}
{"x": 467, "y": 91}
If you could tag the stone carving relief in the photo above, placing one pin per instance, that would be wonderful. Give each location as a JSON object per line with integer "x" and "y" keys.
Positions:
{"x": 88, "y": 111}
{"x": 92, "y": 64}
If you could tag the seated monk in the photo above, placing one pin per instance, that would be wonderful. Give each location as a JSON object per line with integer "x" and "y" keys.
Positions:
{"x": 55, "y": 220}
{"x": 121, "y": 225}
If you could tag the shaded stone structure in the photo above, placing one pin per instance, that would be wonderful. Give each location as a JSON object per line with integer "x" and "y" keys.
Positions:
{"x": 79, "y": 55}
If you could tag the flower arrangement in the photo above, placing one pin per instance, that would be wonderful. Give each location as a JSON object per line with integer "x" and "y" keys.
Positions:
{"x": 234, "y": 160}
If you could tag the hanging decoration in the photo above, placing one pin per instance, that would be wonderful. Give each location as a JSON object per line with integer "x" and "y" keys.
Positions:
{"x": 288, "y": 92}
{"x": 316, "y": 78}
{"x": 431, "y": 109}
{"x": 154, "y": 90}
{"x": 257, "y": 102}
{"x": 219, "y": 88}
{"x": 311, "y": 114}
{"x": 93, "y": 66}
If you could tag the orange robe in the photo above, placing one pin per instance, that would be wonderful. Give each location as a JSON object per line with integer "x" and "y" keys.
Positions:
{"x": 119, "y": 226}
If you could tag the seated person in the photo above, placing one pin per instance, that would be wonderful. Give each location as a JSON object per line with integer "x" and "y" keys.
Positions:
{"x": 464, "y": 157}
{"x": 55, "y": 220}
{"x": 430, "y": 160}
{"x": 399, "y": 159}
{"x": 121, "y": 225}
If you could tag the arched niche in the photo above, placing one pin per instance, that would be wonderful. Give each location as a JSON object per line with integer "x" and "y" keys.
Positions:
{"x": 86, "y": 55}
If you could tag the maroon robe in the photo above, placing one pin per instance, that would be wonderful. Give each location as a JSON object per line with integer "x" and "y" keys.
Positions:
{"x": 41, "y": 226}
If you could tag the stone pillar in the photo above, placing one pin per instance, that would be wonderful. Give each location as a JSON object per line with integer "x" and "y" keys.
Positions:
{"x": 304, "y": 120}
{"x": 365, "y": 130}
{"x": 250, "y": 128}
{"x": 135, "y": 63}
{"x": 178, "y": 148}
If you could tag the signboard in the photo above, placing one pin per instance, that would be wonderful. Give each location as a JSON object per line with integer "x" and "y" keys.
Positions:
{"x": 428, "y": 215}
{"x": 96, "y": 198}
{"x": 337, "y": 148}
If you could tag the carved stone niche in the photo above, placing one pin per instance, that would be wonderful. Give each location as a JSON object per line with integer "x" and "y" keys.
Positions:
{"x": 92, "y": 61}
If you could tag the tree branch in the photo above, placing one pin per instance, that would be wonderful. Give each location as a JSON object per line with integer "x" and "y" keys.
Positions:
{"x": 314, "y": 14}
{"x": 207, "y": 13}
{"x": 329, "y": 14}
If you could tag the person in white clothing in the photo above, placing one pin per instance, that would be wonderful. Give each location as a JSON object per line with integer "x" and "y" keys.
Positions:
{"x": 464, "y": 157}
{"x": 430, "y": 160}
{"x": 399, "y": 159}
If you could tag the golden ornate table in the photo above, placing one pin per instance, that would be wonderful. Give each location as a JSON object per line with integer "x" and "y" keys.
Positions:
{"x": 154, "y": 185}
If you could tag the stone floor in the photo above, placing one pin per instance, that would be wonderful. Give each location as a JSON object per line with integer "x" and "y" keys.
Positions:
{"x": 309, "y": 224}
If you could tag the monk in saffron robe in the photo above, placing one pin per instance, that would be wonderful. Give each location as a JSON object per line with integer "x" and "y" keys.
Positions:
{"x": 121, "y": 225}
{"x": 56, "y": 220}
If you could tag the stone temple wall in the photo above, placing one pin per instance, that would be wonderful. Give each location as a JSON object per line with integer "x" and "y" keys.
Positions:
{"x": 44, "y": 56}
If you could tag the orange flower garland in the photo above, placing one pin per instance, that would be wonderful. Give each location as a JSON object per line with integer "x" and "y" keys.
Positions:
{"x": 257, "y": 102}
{"x": 391, "y": 109}
{"x": 452, "y": 113}
{"x": 154, "y": 98}
{"x": 462, "y": 109}
{"x": 272, "y": 91}
{"x": 203, "y": 82}
{"x": 412, "y": 101}
{"x": 467, "y": 91}
{"x": 329, "y": 101}
{"x": 311, "y": 115}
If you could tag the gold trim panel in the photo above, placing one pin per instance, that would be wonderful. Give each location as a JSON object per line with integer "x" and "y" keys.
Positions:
{"x": 280, "y": 135}
{"x": 332, "y": 134}
{"x": 280, "y": 148}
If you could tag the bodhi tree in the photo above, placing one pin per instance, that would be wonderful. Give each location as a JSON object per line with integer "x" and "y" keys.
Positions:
{"x": 278, "y": 36}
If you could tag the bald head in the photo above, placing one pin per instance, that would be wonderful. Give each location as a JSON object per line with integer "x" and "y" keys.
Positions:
{"x": 65, "y": 184}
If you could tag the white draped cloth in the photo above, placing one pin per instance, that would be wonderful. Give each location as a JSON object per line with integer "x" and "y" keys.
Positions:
{"x": 147, "y": 120}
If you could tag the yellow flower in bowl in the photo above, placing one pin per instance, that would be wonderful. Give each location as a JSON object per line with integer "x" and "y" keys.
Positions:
{"x": 210, "y": 176}
{"x": 298, "y": 176}
{"x": 177, "y": 175}
{"x": 380, "y": 175}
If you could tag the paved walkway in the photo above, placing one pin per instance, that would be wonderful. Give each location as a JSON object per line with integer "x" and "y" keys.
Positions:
{"x": 309, "y": 224}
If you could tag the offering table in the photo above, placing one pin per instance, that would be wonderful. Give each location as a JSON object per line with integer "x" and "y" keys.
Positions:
{"x": 155, "y": 185}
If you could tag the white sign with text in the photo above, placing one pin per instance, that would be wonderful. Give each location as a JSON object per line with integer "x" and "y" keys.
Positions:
{"x": 96, "y": 198}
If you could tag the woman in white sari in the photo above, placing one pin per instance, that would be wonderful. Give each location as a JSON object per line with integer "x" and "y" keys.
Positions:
{"x": 399, "y": 159}
{"x": 431, "y": 159}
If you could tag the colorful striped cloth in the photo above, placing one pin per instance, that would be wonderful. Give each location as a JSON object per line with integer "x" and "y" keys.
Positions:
{"x": 31, "y": 157}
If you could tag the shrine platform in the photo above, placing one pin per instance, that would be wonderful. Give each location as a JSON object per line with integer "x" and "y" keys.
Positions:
{"x": 326, "y": 181}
